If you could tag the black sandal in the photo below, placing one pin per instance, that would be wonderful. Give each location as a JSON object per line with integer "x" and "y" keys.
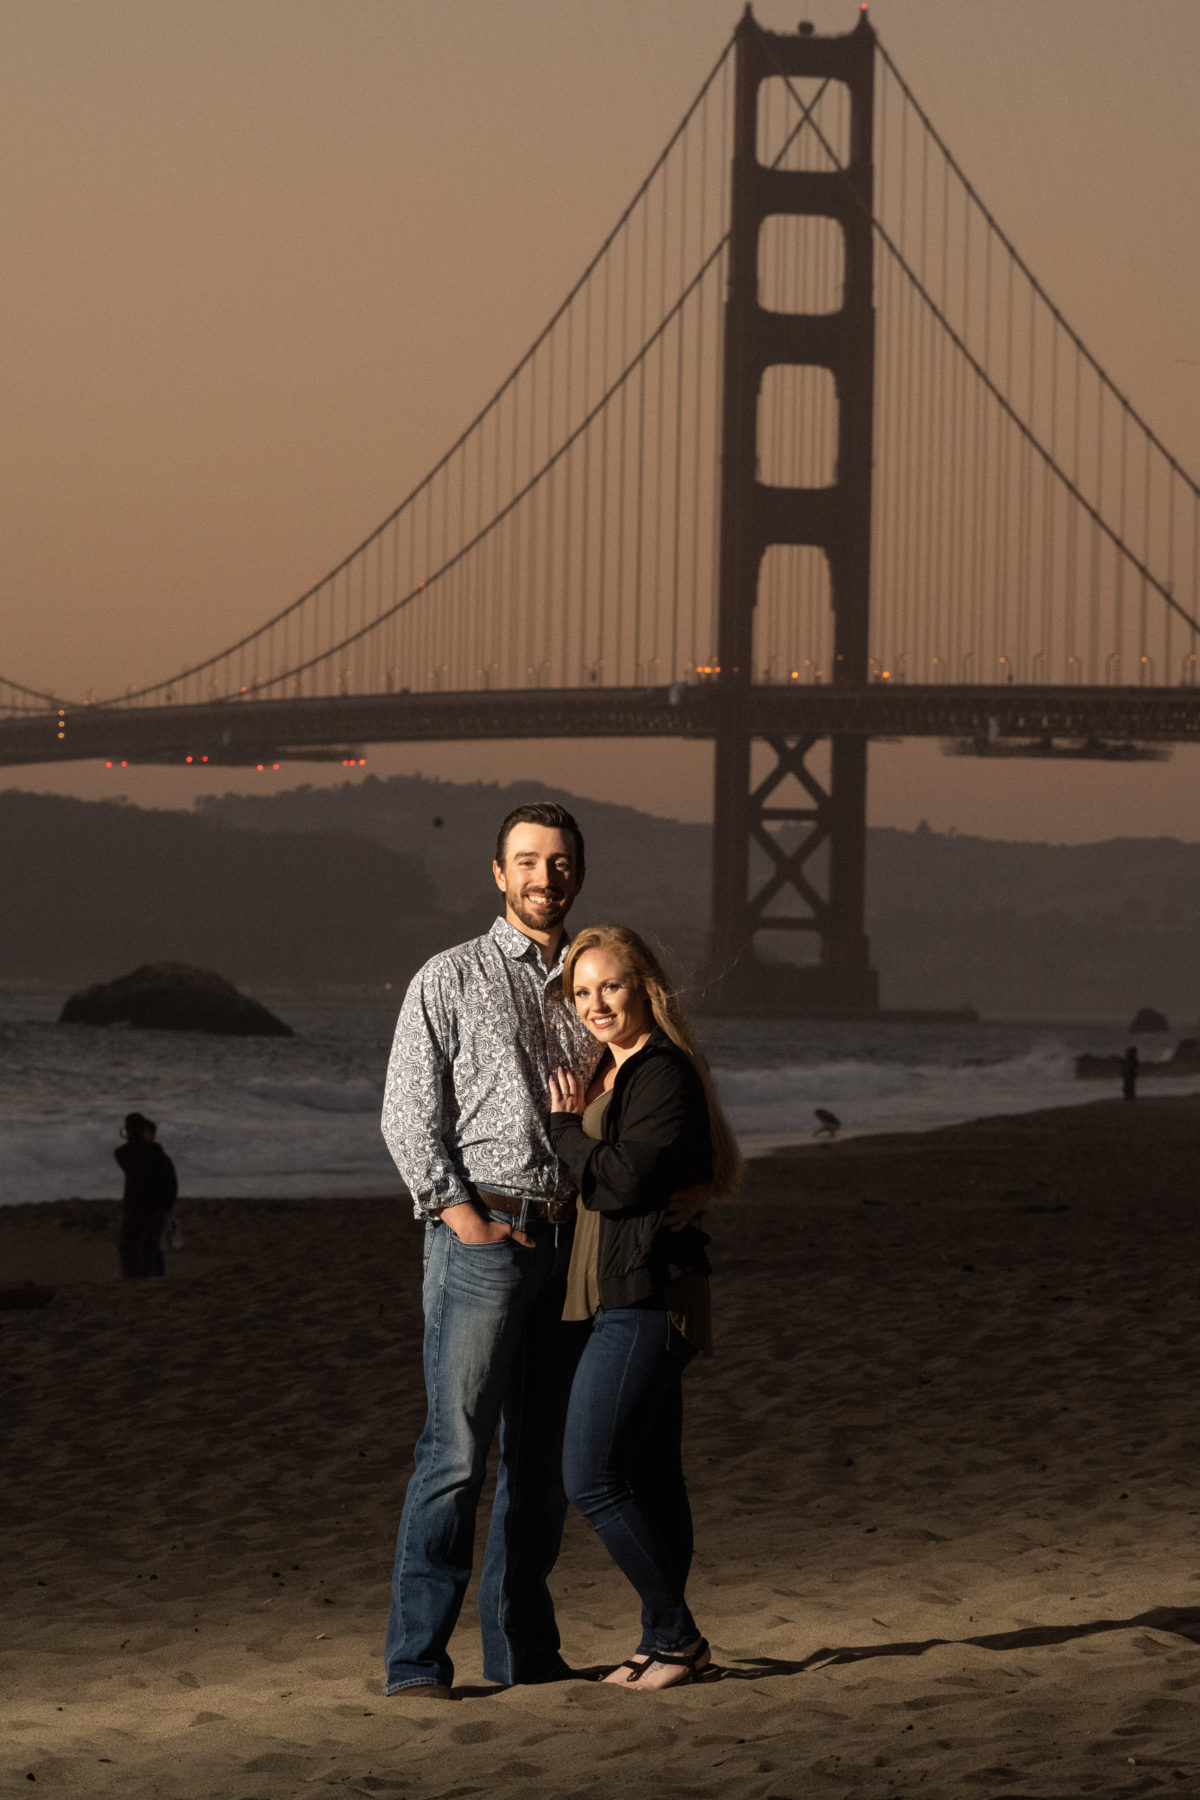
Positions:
{"x": 689, "y": 1660}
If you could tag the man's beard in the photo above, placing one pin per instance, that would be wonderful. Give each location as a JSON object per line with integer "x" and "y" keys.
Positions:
{"x": 539, "y": 918}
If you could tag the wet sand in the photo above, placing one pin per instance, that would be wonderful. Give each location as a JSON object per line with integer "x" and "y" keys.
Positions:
{"x": 945, "y": 1467}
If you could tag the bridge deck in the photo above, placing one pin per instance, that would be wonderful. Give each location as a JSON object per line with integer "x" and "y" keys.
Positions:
{"x": 252, "y": 731}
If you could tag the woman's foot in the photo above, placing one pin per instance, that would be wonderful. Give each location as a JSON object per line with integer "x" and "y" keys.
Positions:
{"x": 651, "y": 1673}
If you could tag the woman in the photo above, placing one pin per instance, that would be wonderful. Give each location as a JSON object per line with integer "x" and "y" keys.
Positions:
{"x": 648, "y": 1126}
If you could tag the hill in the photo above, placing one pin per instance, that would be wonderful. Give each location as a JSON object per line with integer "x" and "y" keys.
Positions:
{"x": 361, "y": 882}
{"x": 89, "y": 889}
{"x": 651, "y": 871}
{"x": 1077, "y": 930}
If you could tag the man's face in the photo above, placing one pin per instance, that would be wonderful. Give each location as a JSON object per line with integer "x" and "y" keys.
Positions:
{"x": 539, "y": 877}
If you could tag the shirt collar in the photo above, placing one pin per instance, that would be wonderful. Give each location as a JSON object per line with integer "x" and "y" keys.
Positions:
{"x": 516, "y": 945}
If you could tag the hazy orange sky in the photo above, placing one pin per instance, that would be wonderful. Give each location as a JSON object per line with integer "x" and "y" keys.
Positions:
{"x": 265, "y": 258}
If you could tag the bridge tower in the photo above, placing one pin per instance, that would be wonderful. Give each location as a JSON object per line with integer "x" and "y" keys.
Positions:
{"x": 835, "y": 519}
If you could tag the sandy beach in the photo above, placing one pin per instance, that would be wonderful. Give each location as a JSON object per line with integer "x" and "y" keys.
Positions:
{"x": 944, "y": 1466}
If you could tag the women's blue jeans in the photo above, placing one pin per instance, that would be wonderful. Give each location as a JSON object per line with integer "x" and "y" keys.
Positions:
{"x": 623, "y": 1461}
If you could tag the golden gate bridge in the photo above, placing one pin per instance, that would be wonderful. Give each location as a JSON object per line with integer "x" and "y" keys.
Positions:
{"x": 807, "y": 456}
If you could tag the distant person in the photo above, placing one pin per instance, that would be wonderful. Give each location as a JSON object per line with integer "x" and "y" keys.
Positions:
{"x": 1130, "y": 1064}
{"x": 829, "y": 1124}
{"x": 150, "y": 1193}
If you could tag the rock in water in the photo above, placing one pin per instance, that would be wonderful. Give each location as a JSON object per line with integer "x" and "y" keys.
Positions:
{"x": 1149, "y": 1020}
{"x": 172, "y": 996}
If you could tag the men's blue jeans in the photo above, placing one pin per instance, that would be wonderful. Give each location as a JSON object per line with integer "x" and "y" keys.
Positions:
{"x": 495, "y": 1353}
{"x": 623, "y": 1463}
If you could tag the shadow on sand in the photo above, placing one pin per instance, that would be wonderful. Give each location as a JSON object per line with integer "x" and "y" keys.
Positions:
{"x": 1184, "y": 1621}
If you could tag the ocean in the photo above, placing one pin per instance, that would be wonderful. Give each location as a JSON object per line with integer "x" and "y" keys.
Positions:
{"x": 299, "y": 1116}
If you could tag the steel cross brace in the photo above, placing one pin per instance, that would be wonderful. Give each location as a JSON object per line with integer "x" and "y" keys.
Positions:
{"x": 788, "y": 868}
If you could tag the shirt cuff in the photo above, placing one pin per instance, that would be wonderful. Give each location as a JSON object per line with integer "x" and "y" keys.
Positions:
{"x": 432, "y": 1206}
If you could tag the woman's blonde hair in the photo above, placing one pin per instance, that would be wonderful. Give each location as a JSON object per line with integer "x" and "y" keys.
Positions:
{"x": 638, "y": 960}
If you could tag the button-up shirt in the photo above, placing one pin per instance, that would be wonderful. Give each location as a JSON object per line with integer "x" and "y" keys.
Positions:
{"x": 466, "y": 1103}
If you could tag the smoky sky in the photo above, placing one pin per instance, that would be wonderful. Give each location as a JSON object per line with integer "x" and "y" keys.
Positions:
{"x": 264, "y": 263}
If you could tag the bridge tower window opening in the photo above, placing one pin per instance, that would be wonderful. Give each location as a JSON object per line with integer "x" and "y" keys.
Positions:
{"x": 793, "y": 616}
{"x": 801, "y": 263}
{"x": 798, "y": 427}
{"x": 803, "y": 123}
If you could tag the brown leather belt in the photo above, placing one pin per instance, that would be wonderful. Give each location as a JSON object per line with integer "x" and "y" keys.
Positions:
{"x": 554, "y": 1212}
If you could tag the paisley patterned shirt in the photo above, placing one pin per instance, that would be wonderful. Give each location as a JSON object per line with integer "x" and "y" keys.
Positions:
{"x": 466, "y": 1100}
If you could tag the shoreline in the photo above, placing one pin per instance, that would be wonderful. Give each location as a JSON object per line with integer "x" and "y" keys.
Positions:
{"x": 304, "y": 1120}
{"x": 756, "y": 1146}
{"x": 942, "y": 1464}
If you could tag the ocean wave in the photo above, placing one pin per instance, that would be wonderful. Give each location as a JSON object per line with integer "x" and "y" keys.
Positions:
{"x": 300, "y": 1116}
{"x": 853, "y": 1080}
{"x": 319, "y": 1096}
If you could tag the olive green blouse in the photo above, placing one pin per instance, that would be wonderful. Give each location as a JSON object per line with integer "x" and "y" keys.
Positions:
{"x": 583, "y": 1294}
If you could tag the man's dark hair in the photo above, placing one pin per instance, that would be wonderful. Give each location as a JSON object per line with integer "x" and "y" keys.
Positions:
{"x": 542, "y": 812}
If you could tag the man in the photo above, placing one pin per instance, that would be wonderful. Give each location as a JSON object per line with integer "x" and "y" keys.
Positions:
{"x": 464, "y": 1117}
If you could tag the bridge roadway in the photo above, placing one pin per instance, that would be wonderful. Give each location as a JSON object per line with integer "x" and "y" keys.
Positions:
{"x": 248, "y": 731}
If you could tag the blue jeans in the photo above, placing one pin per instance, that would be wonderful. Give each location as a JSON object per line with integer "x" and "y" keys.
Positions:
{"x": 623, "y": 1462}
{"x": 495, "y": 1353}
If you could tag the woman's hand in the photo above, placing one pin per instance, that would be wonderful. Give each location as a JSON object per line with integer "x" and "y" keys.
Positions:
{"x": 567, "y": 1093}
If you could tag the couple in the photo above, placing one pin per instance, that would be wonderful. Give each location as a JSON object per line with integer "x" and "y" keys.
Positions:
{"x": 527, "y": 1071}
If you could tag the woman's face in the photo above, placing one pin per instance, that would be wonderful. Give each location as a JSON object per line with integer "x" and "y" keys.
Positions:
{"x": 609, "y": 1001}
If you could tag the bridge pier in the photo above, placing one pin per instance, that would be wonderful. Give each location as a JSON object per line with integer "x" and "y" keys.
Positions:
{"x": 818, "y": 867}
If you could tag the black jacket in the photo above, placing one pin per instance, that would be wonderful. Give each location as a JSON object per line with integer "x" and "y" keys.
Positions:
{"x": 150, "y": 1184}
{"x": 656, "y": 1140}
